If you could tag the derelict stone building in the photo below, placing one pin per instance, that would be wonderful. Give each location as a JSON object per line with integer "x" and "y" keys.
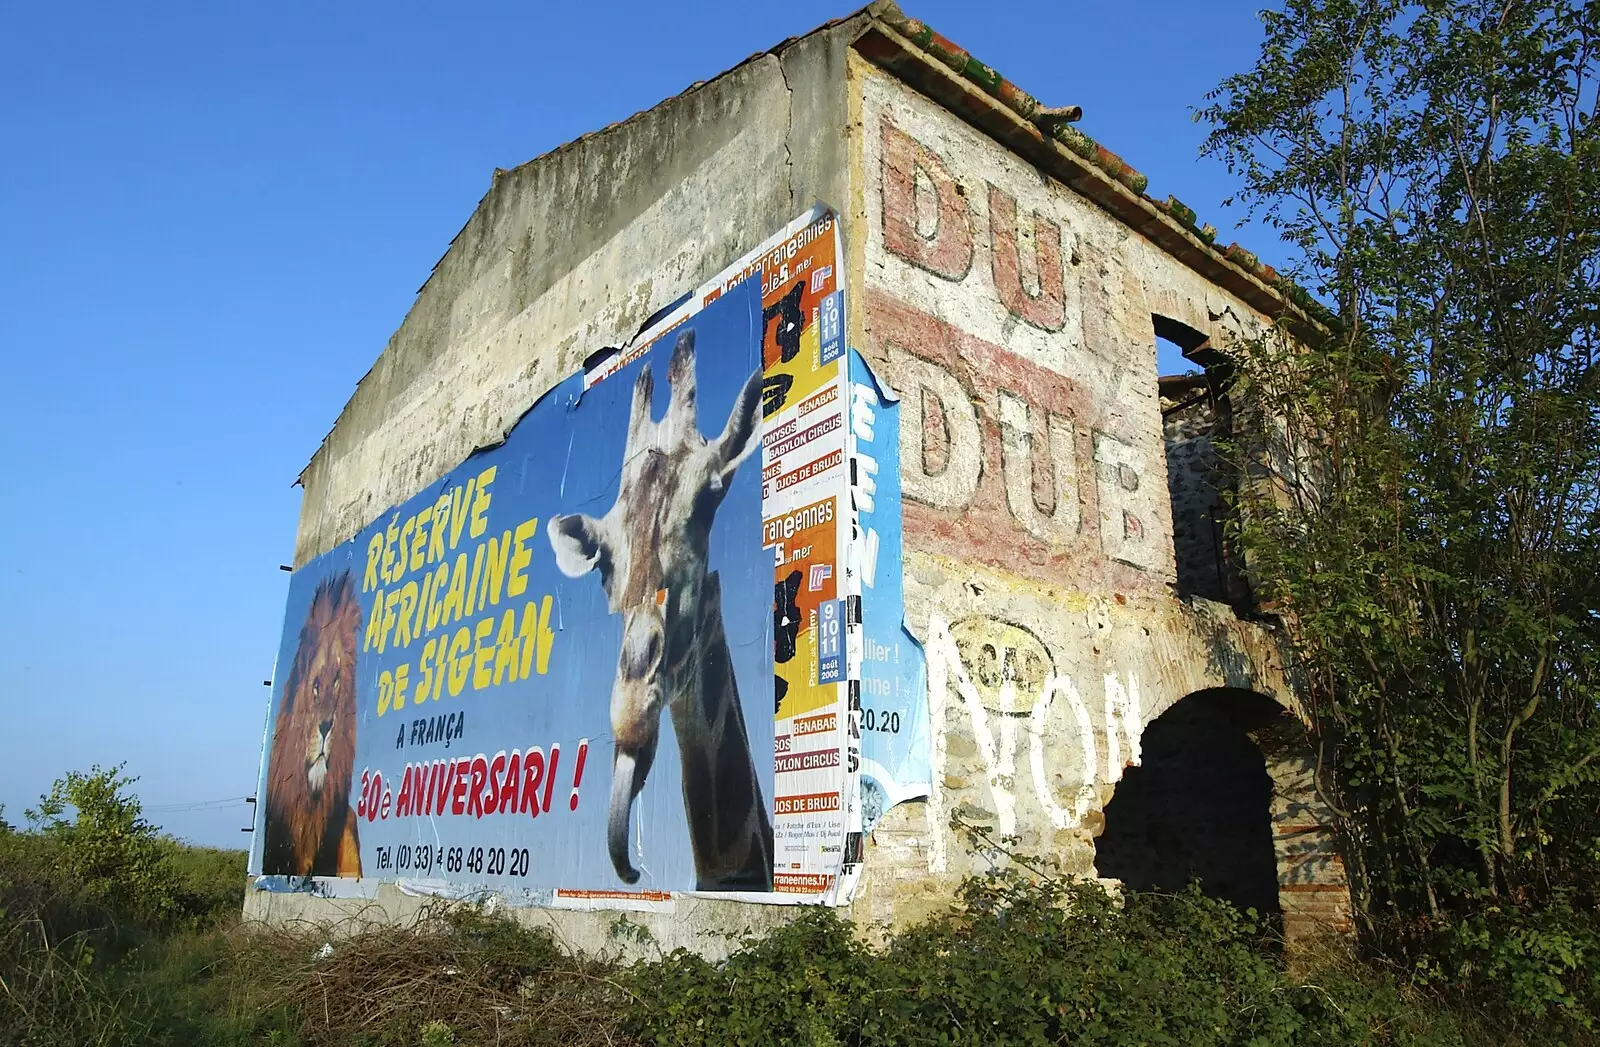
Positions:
{"x": 1100, "y": 684}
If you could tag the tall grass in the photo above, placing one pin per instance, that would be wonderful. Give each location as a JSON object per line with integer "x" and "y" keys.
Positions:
{"x": 1013, "y": 960}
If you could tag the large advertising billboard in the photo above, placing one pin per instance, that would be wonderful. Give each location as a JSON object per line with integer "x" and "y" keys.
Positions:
{"x": 552, "y": 668}
{"x": 616, "y": 657}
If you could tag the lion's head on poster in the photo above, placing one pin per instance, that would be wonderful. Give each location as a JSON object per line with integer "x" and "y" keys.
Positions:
{"x": 310, "y": 825}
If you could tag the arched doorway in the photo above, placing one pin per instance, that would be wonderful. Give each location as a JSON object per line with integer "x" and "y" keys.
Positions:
{"x": 1199, "y": 806}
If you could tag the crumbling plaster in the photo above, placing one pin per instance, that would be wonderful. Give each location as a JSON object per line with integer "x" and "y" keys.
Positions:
{"x": 1014, "y": 318}
{"x": 569, "y": 253}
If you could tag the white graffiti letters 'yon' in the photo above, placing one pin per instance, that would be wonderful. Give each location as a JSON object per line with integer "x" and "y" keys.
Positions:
{"x": 1124, "y": 724}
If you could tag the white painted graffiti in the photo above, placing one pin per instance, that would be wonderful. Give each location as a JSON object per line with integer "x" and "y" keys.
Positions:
{"x": 1006, "y": 678}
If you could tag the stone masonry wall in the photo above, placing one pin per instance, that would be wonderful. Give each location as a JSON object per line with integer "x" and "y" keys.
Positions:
{"x": 1194, "y": 479}
{"x": 1014, "y": 319}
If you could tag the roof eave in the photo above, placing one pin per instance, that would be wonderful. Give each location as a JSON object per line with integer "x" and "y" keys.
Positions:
{"x": 993, "y": 108}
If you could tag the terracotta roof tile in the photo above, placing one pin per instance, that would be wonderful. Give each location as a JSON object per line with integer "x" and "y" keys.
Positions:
{"x": 1026, "y": 106}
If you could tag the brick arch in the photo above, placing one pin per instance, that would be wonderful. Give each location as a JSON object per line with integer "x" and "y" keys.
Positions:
{"x": 1187, "y": 338}
{"x": 1225, "y": 793}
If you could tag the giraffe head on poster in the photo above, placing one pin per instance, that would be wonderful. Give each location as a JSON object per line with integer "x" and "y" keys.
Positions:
{"x": 651, "y": 551}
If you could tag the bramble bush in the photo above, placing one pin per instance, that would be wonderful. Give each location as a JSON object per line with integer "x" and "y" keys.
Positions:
{"x": 107, "y": 853}
{"x": 91, "y": 885}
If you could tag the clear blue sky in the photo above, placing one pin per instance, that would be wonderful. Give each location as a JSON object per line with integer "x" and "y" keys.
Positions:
{"x": 213, "y": 215}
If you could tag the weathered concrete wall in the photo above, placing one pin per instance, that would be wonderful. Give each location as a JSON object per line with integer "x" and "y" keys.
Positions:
{"x": 709, "y": 926}
{"x": 564, "y": 256}
{"x": 1015, "y": 319}
{"x": 570, "y": 253}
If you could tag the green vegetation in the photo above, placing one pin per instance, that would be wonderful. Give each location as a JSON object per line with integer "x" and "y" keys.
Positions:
{"x": 1436, "y": 167}
{"x": 1032, "y": 960}
{"x": 112, "y": 935}
{"x": 89, "y": 904}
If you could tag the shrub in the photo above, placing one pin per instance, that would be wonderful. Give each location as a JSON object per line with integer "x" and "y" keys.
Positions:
{"x": 208, "y": 882}
{"x": 1023, "y": 961}
{"x": 107, "y": 852}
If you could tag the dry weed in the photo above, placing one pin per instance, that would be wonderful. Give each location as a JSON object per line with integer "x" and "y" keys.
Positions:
{"x": 489, "y": 981}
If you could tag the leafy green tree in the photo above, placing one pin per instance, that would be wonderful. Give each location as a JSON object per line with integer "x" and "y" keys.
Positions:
{"x": 1435, "y": 168}
{"x": 115, "y": 857}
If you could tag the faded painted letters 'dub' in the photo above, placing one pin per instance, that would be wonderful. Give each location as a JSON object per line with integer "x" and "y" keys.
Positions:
{"x": 1030, "y": 428}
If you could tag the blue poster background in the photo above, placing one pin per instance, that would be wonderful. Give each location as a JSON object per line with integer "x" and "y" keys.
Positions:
{"x": 895, "y": 756}
{"x": 565, "y": 456}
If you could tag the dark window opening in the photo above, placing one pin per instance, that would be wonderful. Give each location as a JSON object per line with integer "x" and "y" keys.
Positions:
{"x": 1199, "y": 807}
{"x": 1197, "y": 421}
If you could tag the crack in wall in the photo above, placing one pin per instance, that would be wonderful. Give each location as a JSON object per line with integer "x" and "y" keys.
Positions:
{"x": 788, "y": 130}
